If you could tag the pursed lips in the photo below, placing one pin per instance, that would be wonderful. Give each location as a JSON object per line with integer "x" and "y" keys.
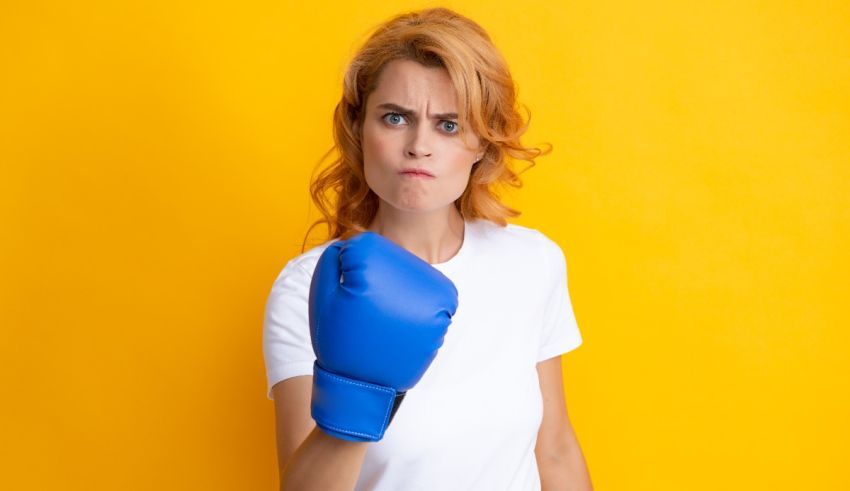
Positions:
{"x": 412, "y": 172}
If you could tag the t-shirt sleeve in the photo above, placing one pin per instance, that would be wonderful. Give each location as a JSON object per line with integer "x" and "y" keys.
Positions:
{"x": 287, "y": 348}
{"x": 560, "y": 330}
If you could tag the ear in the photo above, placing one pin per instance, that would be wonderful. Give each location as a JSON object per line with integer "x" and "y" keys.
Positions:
{"x": 482, "y": 151}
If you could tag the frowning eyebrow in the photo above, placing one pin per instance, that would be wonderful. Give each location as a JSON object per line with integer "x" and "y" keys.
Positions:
{"x": 403, "y": 110}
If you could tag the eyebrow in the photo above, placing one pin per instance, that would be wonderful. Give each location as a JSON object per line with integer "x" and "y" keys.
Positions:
{"x": 404, "y": 110}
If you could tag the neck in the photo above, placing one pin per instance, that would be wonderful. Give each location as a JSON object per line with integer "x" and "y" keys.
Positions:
{"x": 434, "y": 237}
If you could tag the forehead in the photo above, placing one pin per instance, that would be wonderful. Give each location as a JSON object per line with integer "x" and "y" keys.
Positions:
{"x": 408, "y": 83}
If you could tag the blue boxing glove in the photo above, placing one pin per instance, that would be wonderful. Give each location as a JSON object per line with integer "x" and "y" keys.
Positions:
{"x": 378, "y": 315}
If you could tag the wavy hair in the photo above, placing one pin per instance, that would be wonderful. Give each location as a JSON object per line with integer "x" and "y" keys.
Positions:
{"x": 486, "y": 96}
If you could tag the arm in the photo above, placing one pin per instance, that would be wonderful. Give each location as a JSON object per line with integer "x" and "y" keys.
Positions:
{"x": 559, "y": 457}
{"x": 308, "y": 458}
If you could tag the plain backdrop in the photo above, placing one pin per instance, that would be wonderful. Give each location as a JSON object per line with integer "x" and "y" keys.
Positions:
{"x": 154, "y": 164}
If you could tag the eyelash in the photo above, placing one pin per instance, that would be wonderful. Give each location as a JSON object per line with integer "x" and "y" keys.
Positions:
{"x": 442, "y": 121}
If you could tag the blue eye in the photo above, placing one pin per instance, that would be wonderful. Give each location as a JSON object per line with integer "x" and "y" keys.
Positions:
{"x": 392, "y": 115}
{"x": 454, "y": 125}
{"x": 395, "y": 119}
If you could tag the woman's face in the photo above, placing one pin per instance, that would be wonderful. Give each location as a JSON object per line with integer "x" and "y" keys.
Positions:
{"x": 411, "y": 123}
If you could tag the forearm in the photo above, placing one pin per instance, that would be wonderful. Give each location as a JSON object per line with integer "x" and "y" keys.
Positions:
{"x": 324, "y": 463}
{"x": 564, "y": 470}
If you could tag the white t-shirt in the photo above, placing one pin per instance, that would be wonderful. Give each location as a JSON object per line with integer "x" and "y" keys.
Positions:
{"x": 471, "y": 422}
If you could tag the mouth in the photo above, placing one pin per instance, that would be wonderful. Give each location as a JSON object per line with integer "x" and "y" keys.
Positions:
{"x": 412, "y": 172}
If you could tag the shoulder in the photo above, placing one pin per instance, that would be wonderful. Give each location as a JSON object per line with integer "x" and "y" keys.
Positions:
{"x": 524, "y": 248}
{"x": 520, "y": 238}
{"x": 300, "y": 268}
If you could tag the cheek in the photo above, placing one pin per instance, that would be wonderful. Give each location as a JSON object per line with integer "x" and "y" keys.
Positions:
{"x": 369, "y": 171}
{"x": 374, "y": 155}
{"x": 460, "y": 177}
{"x": 374, "y": 133}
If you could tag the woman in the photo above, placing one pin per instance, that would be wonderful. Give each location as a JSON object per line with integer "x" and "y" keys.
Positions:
{"x": 424, "y": 129}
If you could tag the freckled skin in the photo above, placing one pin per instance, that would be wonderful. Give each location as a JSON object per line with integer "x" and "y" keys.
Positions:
{"x": 393, "y": 142}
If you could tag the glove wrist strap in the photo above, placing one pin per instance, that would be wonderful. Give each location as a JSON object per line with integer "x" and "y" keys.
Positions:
{"x": 352, "y": 409}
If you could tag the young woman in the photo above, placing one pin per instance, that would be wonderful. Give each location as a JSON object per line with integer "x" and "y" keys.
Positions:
{"x": 418, "y": 348}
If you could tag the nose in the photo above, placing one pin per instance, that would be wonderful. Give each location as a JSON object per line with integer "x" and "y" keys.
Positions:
{"x": 419, "y": 141}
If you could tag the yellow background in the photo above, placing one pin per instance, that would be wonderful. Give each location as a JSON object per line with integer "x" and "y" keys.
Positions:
{"x": 155, "y": 162}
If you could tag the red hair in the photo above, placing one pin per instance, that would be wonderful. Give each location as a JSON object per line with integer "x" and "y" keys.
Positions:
{"x": 486, "y": 95}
